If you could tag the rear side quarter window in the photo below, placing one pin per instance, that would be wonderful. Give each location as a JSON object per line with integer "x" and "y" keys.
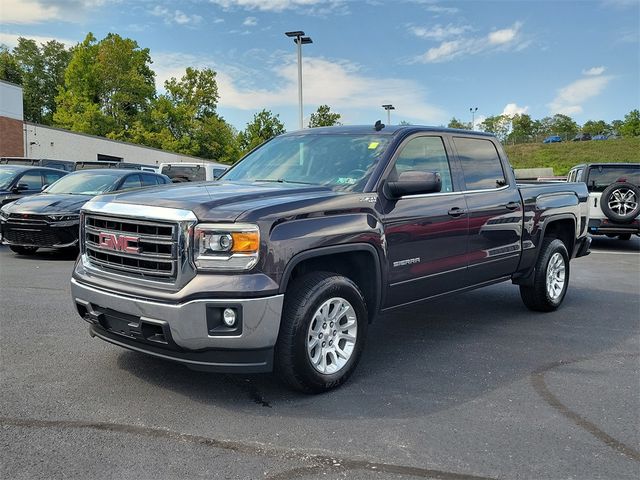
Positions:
{"x": 480, "y": 163}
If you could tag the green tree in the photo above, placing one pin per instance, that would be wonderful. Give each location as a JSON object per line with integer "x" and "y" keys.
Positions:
{"x": 522, "y": 128}
{"x": 323, "y": 117}
{"x": 616, "y": 125}
{"x": 40, "y": 71}
{"x": 184, "y": 120}
{"x": 9, "y": 68}
{"x": 455, "y": 123}
{"x": 563, "y": 125}
{"x": 108, "y": 86}
{"x": 265, "y": 125}
{"x": 631, "y": 125}
{"x": 596, "y": 127}
{"x": 499, "y": 125}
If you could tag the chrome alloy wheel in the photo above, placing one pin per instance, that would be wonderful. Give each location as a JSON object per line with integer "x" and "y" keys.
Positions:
{"x": 331, "y": 338}
{"x": 623, "y": 201}
{"x": 555, "y": 276}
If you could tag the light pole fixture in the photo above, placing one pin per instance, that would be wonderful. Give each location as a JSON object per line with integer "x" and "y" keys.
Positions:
{"x": 388, "y": 108}
{"x": 299, "y": 39}
{"x": 473, "y": 111}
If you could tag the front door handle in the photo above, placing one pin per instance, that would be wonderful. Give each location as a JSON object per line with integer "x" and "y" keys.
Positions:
{"x": 456, "y": 212}
{"x": 512, "y": 205}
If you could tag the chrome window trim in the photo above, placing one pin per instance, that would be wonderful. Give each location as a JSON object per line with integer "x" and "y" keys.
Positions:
{"x": 463, "y": 192}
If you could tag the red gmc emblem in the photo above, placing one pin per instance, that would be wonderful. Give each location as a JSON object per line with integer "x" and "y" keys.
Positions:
{"x": 121, "y": 243}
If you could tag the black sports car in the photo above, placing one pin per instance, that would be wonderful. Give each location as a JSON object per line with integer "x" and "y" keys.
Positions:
{"x": 51, "y": 218}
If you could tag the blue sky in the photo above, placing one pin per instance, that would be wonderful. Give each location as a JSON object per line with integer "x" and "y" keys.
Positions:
{"x": 431, "y": 59}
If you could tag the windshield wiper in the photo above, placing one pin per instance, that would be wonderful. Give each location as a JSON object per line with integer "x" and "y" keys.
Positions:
{"x": 282, "y": 180}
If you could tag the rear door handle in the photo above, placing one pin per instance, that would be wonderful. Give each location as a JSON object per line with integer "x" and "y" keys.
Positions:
{"x": 512, "y": 205}
{"x": 456, "y": 212}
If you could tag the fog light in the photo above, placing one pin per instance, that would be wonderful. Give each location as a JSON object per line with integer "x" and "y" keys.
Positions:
{"x": 229, "y": 317}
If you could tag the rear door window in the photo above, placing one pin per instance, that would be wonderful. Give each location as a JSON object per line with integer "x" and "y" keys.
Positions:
{"x": 480, "y": 163}
{"x": 50, "y": 177}
{"x": 148, "y": 180}
{"x": 132, "y": 181}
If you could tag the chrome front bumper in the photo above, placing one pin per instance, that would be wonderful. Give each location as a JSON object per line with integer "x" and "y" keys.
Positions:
{"x": 185, "y": 328}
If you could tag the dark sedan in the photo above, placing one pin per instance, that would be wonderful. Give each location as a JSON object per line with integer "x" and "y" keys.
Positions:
{"x": 51, "y": 218}
{"x": 17, "y": 181}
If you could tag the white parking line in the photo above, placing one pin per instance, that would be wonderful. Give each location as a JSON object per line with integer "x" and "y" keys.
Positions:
{"x": 614, "y": 253}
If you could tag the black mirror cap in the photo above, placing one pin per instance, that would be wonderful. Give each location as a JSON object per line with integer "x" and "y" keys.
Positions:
{"x": 20, "y": 187}
{"x": 413, "y": 182}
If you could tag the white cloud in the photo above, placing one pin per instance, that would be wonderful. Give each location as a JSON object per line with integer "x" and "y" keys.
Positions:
{"x": 440, "y": 9}
{"x": 439, "y": 32}
{"x": 272, "y": 5}
{"x": 11, "y": 39}
{"x": 175, "y": 16}
{"x": 26, "y": 12}
{"x": 569, "y": 99}
{"x": 594, "y": 71}
{"x": 506, "y": 35}
{"x": 512, "y": 109}
{"x": 498, "y": 40}
{"x": 340, "y": 84}
{"x": 250, "y": 22}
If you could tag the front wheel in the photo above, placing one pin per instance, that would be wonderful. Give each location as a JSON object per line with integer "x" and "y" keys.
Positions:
{"x": 322, "y": 334}
{"x": 551, "y": 278}
{"x": 23, "y": 250}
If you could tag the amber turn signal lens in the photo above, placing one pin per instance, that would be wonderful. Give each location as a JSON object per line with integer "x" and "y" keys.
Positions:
{"x": 245, "y": 242}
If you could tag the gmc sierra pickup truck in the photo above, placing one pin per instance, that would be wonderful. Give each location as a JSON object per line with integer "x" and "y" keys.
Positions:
{"x": 283, "y": 263}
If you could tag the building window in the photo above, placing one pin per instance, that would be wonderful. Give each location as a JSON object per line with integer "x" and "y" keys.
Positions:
{"x": 108, "y": 158}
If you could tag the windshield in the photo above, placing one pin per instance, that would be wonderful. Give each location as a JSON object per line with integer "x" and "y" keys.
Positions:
{"x": 6, "y": 177}
{"x": 85, "y": 183}
{"x": 340, "y": 161}
{"x": 602, "y": 176}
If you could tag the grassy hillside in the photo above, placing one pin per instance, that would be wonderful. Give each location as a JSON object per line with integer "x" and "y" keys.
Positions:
{"x": 562, "y": 156}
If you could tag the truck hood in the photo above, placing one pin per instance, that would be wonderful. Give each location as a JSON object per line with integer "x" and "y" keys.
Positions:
{"x": 48, "y": 203}
{"x": 219, "y": 201}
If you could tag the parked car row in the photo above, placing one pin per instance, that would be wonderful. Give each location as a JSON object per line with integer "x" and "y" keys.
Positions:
{"x": 580, "y": 137}
{"x": 50, "y": 217}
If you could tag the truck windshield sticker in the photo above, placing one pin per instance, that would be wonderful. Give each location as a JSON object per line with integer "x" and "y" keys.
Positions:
{"x": 346, "y": 181}
{"x": 373, "y": 145}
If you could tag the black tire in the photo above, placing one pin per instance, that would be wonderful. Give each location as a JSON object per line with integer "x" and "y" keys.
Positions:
{"x": 615, "y": 191}
{"x": 624, "y": 236}
{"x": 23, "y": 250}
{"x": 70, "y": 252}
{"x": 303, "y": 298}
{"x": 537, "y": 297}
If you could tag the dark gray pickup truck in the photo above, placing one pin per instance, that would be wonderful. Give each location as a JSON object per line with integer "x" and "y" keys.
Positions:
{"x": 284, "y": 262}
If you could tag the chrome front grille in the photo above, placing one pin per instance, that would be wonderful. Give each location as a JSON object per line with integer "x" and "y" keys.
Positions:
{"x": 143, "y": 249}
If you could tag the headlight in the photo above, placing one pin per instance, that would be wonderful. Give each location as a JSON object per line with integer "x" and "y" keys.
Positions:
{"x": 226, "y": 246}
{"x": 64, "y": 220}
{"x": 3, "y": 215}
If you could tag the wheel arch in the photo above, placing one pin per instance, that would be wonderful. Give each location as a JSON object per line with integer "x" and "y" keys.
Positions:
{"x": 350, "y": 260}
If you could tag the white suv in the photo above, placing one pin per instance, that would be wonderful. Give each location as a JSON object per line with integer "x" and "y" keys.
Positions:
{"x": 614, "y": 197}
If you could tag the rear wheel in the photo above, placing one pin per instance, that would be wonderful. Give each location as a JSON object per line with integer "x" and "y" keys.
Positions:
{"x": 551, "y": 278}
{"x": 23, "y": 250}
{"x": 322, "y": 334}
{"x": 620, "y": 202}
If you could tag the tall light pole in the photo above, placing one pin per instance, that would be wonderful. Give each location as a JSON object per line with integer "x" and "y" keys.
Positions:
{"x": 473, "y": 117}
{"x": 299, "y": 39}
{"x": 388, "y": 108}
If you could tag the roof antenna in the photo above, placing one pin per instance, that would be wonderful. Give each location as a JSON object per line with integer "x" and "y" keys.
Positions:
{"x": 379, "y": 126}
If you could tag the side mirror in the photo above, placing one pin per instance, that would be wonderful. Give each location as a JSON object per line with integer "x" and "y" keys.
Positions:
{"x": 413, "y": 182}
{"x": 21, "y": 187}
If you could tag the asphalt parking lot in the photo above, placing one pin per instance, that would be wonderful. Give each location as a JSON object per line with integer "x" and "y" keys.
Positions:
{"x": 471, "y": 387}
